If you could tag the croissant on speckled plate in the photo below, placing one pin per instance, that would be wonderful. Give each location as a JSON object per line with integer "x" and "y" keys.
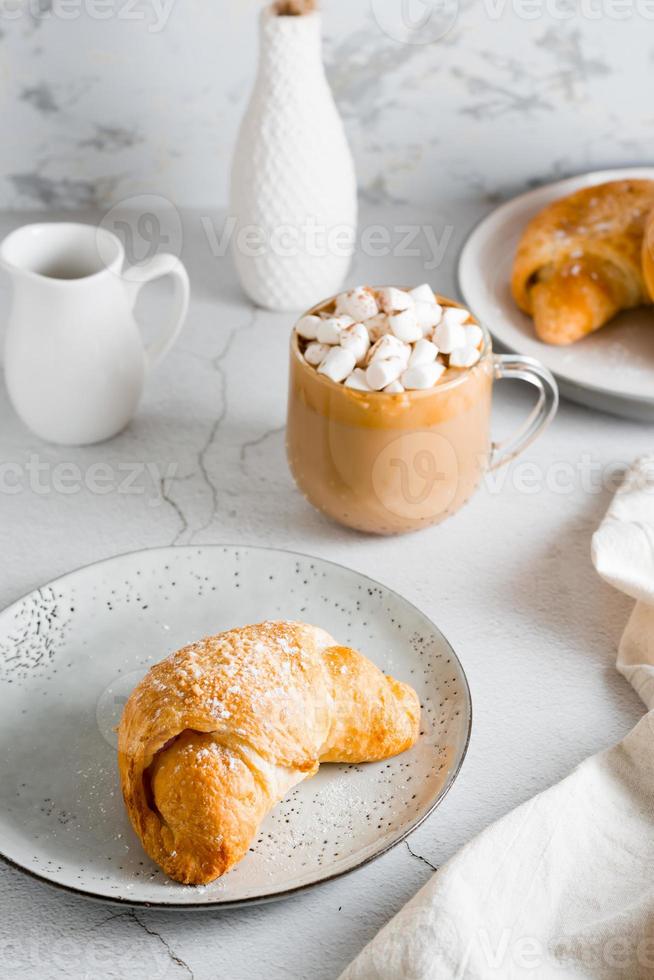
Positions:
{"x": 215, "y": 735}
{"x": 580, "y": 260}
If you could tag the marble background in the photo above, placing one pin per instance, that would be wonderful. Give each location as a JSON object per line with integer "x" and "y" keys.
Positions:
{"x": 105, "y": 99}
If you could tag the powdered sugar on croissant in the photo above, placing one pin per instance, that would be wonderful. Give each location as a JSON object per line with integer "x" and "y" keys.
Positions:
{"x": 214, "y": 736}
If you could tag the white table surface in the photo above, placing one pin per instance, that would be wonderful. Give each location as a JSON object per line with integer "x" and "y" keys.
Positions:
{"x": 508, "y": 580}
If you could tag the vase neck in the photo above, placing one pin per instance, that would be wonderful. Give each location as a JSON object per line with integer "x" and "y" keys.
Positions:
{"x": 290, "y": 39}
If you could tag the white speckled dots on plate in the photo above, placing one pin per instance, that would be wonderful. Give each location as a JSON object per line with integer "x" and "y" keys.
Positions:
{"x": 71, "y": 652}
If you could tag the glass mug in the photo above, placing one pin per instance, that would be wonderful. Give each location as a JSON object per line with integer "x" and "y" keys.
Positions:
{"x": 390, "y": 463}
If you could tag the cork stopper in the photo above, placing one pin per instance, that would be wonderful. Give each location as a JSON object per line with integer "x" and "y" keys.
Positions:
{"x": 294, "y": 8}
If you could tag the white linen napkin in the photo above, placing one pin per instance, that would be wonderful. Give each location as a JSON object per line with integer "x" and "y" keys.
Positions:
{"x": 562, "y": 887}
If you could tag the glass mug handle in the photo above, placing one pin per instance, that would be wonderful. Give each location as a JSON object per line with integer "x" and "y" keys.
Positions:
{"x": 513, "y": 366}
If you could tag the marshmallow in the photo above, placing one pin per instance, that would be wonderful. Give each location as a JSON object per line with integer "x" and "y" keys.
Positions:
{"x": 474, "y": 335}
{"x": 422, "y": 376}
{"x": 424, "y": 352}
{"x": 307, "y": 327}
{"x": 454, "y": 314}
{"x": 405, "y": 326}
{"x": 389, "y": 346}
{"x": 389, "y": 339}
{"x": 329, "y": 330}
{"x": 464, "y": 357}
{"x": 377, "y": 326}
{"x": 394, "y": 300}
{"x": 357, "y": 380}
{"x": 356, "y": 339}
{"x": 449, "y": 336}
{"x": 423, "y": 294}
{"x": 316, "y": 353}
{"x": 428, "y": 316}
{"x": 382, "y": 373}
{"x": 338, "y": 364}
{"x": 359, "y": 303}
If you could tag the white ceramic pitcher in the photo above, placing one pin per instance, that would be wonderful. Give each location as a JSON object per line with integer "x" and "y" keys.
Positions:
{"x": 75, "y": 364}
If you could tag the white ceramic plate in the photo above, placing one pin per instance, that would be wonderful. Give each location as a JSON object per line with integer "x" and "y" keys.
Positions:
{"x": 71, "y": 652}
{"x": 613, "y": 369}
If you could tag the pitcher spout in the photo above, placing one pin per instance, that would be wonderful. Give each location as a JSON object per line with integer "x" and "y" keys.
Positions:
{"x": 52, "y": 251}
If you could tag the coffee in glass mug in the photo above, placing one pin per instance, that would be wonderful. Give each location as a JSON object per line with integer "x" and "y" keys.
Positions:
{"x": 389, "y": 408}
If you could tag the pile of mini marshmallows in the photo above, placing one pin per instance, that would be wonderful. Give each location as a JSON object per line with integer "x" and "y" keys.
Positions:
{"x": 389, "y": 340}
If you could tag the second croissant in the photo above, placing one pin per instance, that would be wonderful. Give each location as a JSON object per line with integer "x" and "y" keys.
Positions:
{"x": 584, "y": 258}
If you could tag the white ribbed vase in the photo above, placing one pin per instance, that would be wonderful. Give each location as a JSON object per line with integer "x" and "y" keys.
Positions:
{"x": 293, "y": 190}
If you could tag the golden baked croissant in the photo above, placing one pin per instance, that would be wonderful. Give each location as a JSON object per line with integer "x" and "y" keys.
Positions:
{"x": 215, "y": 735}
{"x": 579, "y": 261}
{"x": 648, "y": 255}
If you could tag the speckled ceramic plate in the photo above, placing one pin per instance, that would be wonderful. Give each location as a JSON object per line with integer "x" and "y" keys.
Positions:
{"x": 611, "y": 370}
{"x": 71, "y": 652}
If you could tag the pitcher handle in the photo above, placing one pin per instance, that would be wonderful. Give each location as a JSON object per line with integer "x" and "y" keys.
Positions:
{"x": 513, "y": 366}
{"x": 155, "y": 268}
